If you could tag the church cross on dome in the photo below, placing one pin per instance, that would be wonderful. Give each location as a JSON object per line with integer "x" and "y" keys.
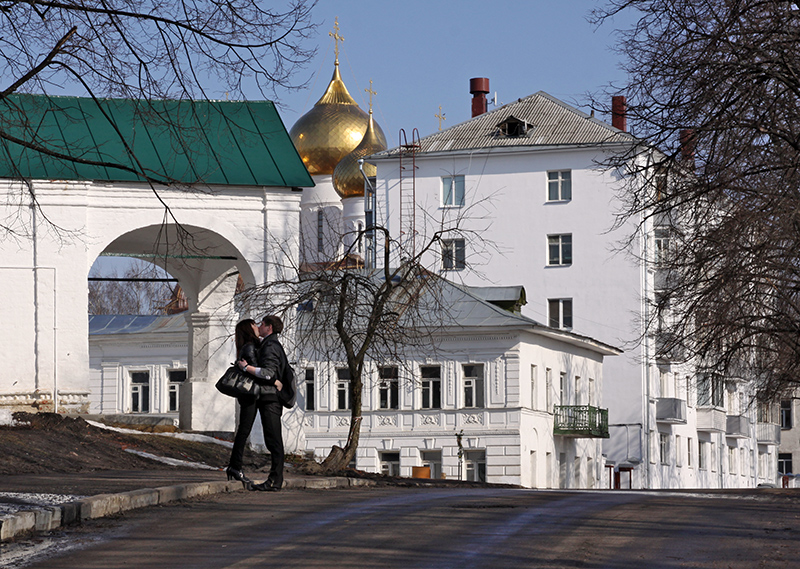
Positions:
{"x": 336, "y": 38}
{"x": 440, "y": 116}
{"x": 371, "y": 92}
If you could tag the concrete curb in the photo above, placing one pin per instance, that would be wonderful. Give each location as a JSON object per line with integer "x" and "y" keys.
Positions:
{"x": 102, "y": 505}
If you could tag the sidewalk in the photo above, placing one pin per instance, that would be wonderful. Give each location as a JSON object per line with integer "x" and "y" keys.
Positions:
{"x": 47, "y": 502}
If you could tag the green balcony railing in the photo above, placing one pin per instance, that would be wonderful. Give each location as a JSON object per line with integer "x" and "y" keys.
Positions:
{"x": 580, "y": 421}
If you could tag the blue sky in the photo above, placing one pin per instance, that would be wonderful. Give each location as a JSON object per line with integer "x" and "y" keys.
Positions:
{"x": 421, "y": 54}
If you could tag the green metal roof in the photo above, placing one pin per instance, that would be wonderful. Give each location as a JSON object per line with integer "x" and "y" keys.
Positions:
{"x": 167, "y": 141}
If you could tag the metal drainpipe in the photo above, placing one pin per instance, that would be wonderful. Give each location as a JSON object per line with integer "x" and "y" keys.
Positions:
{"x": 646, "y": 311}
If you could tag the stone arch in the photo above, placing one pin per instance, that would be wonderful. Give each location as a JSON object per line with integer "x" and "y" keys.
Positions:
{"x": 207, "y": 266}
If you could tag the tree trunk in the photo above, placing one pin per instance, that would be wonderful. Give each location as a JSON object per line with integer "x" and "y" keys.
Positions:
{"x": 338, "y": 459}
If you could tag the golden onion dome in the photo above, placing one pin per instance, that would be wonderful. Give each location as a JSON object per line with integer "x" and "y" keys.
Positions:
{"x": 347, "y": 179}
{"x": 333, "y": 128}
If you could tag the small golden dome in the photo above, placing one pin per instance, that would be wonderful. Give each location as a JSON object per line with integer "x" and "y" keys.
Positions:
{"x": 333, "y": 128}
{"x": 347, "y": 180}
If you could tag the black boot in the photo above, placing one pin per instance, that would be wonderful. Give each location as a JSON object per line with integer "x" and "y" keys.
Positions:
{"x": 234, "y": 474}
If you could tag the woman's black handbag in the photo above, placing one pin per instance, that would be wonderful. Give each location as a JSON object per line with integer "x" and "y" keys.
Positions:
{"x": 235, "y": 382}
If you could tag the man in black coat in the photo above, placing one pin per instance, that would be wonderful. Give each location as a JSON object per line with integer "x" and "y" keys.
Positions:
{"x": 272, "y": 361}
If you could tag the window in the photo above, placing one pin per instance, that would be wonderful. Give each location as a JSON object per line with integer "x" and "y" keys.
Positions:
{"x": 559, "y": 249}
{"x": 562, "y": 388}
{"x": 431, "y": 387}
{"x": 342, "y": 389}
{"x": 662, "y": 245}
{"x": 663, "y": 447}
{"x": 559, "y": 186}
{"x": 786, "y": 414}
{"x": 710, "y": 390}
{"x": 320, "y": 231}
{"x": 732, "y": 460}
{"x": 311, "y": 404}
{"x": 548, "y": 378}
{"x": 388, "y": 388}
{"x": 534, "y": 394}
{"x": 785, "y": 463}
{"x": 475, "y": 465}
{"x": 689, "y": 451}
{"x": 742, "y": 461}
{"x": 452, "y": 191}
{"x": 176, "y": 378}
{"x": 140, "y": 392}
{"x": 678, "y": 451}
{"x": 473, "y": 386}
{"x": 559, "y": 312}
{"x": 702, "y": 458}
{"x": 390, "y": 463}
{"x": 433, "y": 460}
{"x": 453, "y": 254}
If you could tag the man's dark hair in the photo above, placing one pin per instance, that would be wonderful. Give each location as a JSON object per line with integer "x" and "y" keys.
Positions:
{"x": 275, "y": 322}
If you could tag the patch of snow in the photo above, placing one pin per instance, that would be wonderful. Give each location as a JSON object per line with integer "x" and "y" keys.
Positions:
{"x": 183, "y": 436}
{"x": 171, "y": 461}
{"x": 7, "y": 419}
{"x": 11, "y": 502}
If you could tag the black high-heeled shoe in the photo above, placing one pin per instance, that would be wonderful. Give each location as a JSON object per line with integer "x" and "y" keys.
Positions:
{"x": 234, "y": 474}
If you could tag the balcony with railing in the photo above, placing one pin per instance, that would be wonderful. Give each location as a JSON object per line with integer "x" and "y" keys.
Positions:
{"x": 580, "y": 421}
{"x": 711, "y": 420}
{"x": 768, "y": 433}
{"x": 738, "y": 427}
{"x": 671, "y": 410}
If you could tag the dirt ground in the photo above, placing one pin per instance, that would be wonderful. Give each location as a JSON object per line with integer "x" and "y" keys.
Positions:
{"x": 43, "y": 443}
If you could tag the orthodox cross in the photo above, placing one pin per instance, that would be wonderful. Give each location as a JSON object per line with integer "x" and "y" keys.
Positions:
{"x": 336, "y": 37}
{"x": 371, "y": 92}
{"x": 440, "y": 116}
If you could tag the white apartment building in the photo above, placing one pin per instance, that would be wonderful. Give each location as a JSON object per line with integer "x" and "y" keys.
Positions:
{"x": 524, "y": 178}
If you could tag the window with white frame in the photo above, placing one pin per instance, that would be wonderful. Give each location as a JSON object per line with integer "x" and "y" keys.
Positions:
{"x": 662, "y": 247}
{"x": 786, "y": 414}
{"x": 559, "y": 312}
{"x": 559, "y": 249}
{"x": 473, "y": 386}
{"x": 431, "y": 387}
{"x": 732, "y": 460}
{"x": 710, "y": 390}
{"x": 702, "y": 455}
{"x": 140, "y": 392}
{"x": 452, "y": 191}
{"x": 559, "y": 185}
{"x": 562, "y": 389}
{"x": 534, "y": 390}
{"x": 311, "y": 402}
{"x": 433, "y": 460}
{"x": 678, "y": 451}
{"x": 475, "y": 465}
{"x": 390, "y": 463}
{"x": 742, "y": 461}
{"x": 689, "y": 452}
{"x": 176, "y": 378}
{"x": 785, "y": 463}
{"x": 454, "y": 256}
{"x": 388, "y": 389}
{"x": 548, "y": 377}
{"x": 663, "y": 447}
{"x": 342, "y": 389}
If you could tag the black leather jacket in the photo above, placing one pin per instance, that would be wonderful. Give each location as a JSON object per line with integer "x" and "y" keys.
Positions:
{"x": 271, "y": 360}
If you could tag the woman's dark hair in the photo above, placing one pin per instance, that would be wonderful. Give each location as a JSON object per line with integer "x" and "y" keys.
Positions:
{"x": 275, "y": 322}
{"x": 245, "y": 334}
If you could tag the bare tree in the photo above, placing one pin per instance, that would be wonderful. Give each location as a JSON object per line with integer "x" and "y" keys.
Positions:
{"x": 140, "y": 290}
{"x": 146, "y": 50}
{"x": 343, "y": 312}
{"x": 714, "y": 87}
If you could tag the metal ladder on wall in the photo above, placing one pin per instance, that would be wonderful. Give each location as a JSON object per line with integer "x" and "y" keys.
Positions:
{"x": 408, "y": 192}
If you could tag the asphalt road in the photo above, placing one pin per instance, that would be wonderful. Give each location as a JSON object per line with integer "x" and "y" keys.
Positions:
{"x": 442, "y": 528}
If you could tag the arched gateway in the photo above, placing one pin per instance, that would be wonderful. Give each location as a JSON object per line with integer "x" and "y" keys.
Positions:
{"x": 226, "y": 206}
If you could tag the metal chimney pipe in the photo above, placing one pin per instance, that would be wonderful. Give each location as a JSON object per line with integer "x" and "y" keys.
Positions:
{"x": 687, "y": 140}
{"x": 619, "y": 112}
{"x": 479, "y": 88}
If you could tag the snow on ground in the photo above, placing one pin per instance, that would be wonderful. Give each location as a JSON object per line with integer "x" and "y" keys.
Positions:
{"x": 7, "y": 419}
{"x": 183, "y": 436}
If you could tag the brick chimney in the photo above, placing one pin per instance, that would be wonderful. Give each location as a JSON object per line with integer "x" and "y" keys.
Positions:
{"x": 619, "y": 112}
{"x": 479, "y": 88}
{"x": 687, "y": 140}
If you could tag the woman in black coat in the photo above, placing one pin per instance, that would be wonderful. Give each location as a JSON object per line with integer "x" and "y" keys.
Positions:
{"x": 247, "y": 343}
